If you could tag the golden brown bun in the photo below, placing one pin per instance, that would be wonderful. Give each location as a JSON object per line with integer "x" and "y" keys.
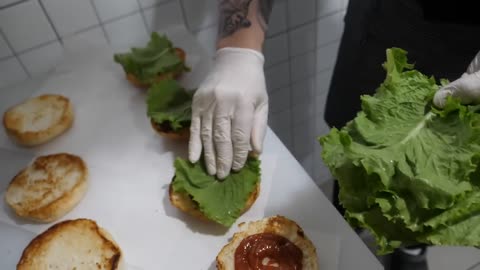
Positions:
{"x": 169, "y": 75}
{"x": 48, "y": 188}
{"x": 38, "y": 120}
{"x": 277, "y": 225}
{"x": 183, "y": 202}
{"x": 73, "y": 244}
{"x": 182, "y": 134}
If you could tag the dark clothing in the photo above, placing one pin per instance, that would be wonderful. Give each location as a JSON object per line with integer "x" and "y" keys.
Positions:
{"x": 442, "y": 49}
{"x": 462, "y": 12}
{"x": 371, "y": 26}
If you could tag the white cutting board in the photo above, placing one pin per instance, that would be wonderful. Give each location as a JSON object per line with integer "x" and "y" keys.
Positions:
{"x": 131, "y": 166}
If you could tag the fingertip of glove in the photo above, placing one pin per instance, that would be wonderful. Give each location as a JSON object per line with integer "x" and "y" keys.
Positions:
{"x": 194, "y": 151}
{"x": 441, "y": 97}
{"x": 211, "y": 169}
{"x": 222, "y": 175}
{"x": 237, "y": 165}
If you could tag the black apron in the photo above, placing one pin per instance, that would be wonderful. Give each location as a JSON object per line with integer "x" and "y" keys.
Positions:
{"x": 442, "y": 49}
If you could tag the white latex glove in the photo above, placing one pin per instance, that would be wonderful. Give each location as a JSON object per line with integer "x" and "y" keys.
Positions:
{"x": 229, "y": 111}
{"x": 466, "y": 88}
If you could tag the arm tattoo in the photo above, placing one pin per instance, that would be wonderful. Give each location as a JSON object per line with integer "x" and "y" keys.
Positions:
{"x": 233, "y": 15}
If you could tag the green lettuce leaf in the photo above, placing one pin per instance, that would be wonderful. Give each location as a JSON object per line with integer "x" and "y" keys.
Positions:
{"x": 157, "y": 58}
{"x": 168, "y": 103}
{"x": 407, "y": 171}
{"x": 220, "y": 200}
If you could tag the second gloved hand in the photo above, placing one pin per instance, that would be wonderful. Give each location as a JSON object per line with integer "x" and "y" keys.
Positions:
{"x": 466, "y": 88}
{"x": 230, "y": 111}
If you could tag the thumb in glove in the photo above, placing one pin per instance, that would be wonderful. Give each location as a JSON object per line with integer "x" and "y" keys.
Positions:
{"x": 466, "y": 88}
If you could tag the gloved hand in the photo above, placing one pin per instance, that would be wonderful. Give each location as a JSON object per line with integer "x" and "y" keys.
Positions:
{"x": 229, "y": 111}
{"x": 466, "y": 88}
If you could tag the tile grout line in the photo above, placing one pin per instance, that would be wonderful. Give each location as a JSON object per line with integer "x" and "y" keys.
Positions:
{"x": 120, "y": 17}
{"x": 9, "y": 45}
{"x": 184, "y": 15}
{"x": 156, "y": 4}
{"x": 37, "y": 47}
{"x": 144, "y": 18}
{"x": 102, "y": 26}
{"x": 81, "y": 31}
{"x": 316, "y": 19}
{"x": 7, "y": 6}
{"x": 59, "y": 38}
{"x": 300, "y": 55}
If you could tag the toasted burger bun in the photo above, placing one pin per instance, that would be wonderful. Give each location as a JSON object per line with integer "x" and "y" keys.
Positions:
{"x": 38, "y": 120}
{"x": 73, "y": 244}
{"x": 48, "y": 188}
{"x": 164, "y": 76}
{"x": 182, "y": 134}
{"x": 278, "y": 225}
{"x": 184, "y": 202}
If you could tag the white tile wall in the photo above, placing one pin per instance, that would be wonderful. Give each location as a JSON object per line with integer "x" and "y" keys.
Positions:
{"x": 11, "y": 72}
{"x": 300, "y": 50}
{"x": 308, "y": 162}
{"x": 4, "y": 3}
{"x": 326, "y": 56}
{"x": 110, "y": 9}
{"x": 281, "y": 123}
{"x": 277, "y": 76}
{"x": 325, "y": 7}
{"x": 200, "y": 13}
{"x": 207, "y": 37}
{"x": 278, "y": 18}
{"x": 285, "y": 136}
{"x": 70, "y": 16}
{"x": 276, "y": 49}
{"x": 303, "y": 66}
{"x": 323, "y": 81}
{"x": 329, "y": 29}
{"x": 22, "y": 33}
{"x": 279, "y": 100}
{"x": 94, "y": 36}
{"x": 303, "y": 139}
{"x": 41, "y": 60}
{"x": 134, "y": 25}
{"x": 4, "y": 48}
{"x": 303, "y": 39}
{"x": 150, "y": 3}
{"x": 301, "y": 11}
{"x": 281, "y": 120}
{"x": 303, "y": 91}
{"x": 304, "y": 112}
{"x": 163, "y": 15}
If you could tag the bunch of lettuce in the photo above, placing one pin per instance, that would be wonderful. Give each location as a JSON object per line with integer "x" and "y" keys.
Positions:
{"x": 157, "y": 58}
{"x": 222, "y": 201}
{"x": 409, "y": 172}
{"x": 169, "y": 104}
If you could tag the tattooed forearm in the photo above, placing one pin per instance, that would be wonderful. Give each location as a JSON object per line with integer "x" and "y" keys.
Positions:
{"x": 234, "y": 15}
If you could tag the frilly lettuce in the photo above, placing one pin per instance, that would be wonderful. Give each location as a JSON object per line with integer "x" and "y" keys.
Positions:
{"x": 169, "y": 103}
{"x": 156, "y": 58}
{"x": 407, "y": 171}
{"x": 221, "y": 201}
